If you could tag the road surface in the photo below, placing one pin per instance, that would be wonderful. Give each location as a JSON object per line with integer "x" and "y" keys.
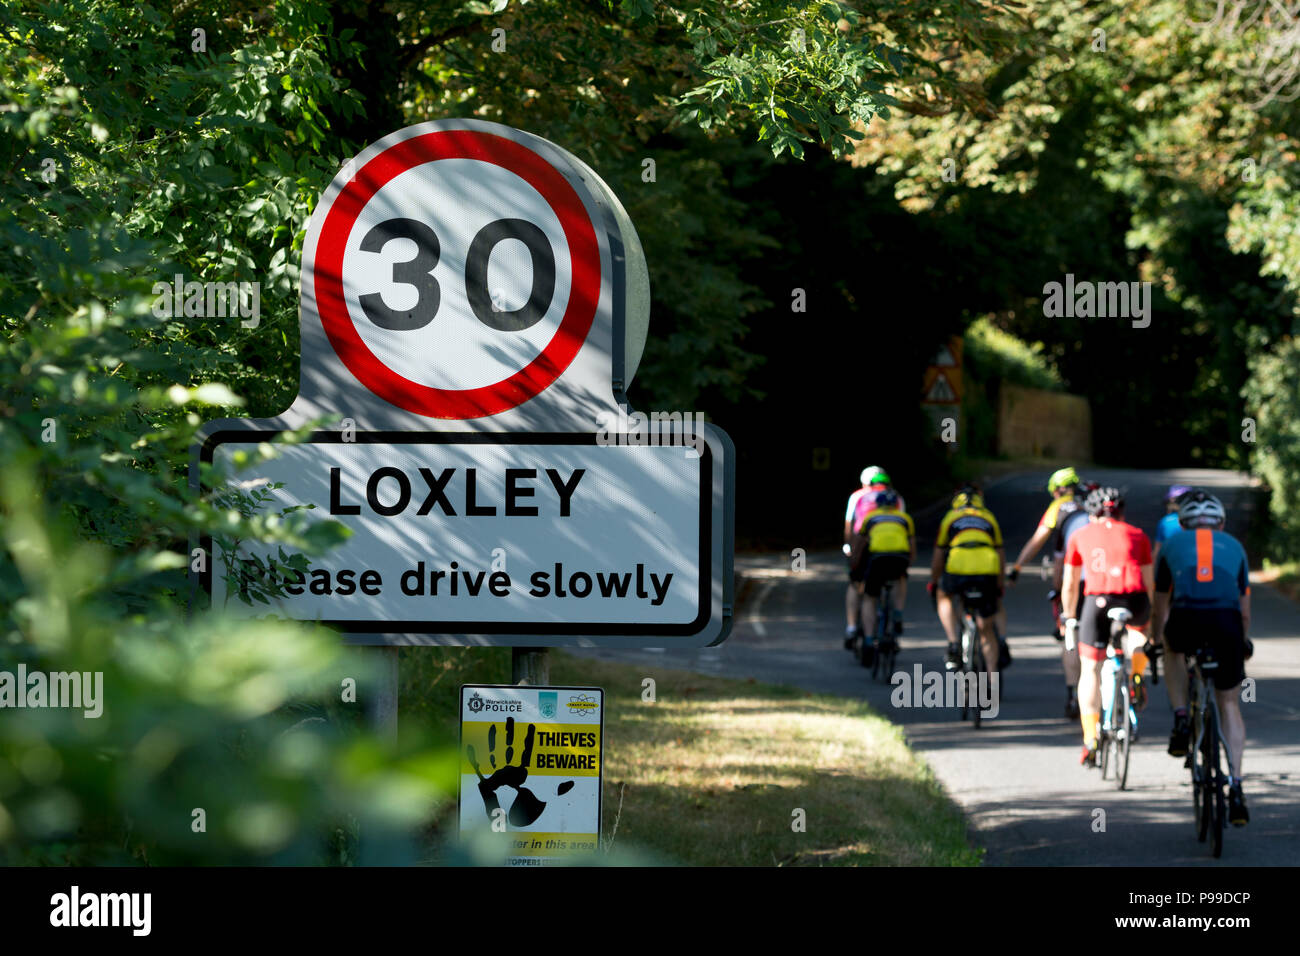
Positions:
{"x": 1018, "y": 778}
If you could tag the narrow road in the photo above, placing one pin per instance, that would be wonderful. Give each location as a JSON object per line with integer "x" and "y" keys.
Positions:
{"x": 1018, "y": 777}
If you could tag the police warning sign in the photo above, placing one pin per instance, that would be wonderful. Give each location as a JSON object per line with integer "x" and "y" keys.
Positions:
{"x": 530, "y": 769}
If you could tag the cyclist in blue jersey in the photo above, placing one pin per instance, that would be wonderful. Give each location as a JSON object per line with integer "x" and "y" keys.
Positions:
{"x": 1169, "y": 523}
{"x": 1207, "y": 573}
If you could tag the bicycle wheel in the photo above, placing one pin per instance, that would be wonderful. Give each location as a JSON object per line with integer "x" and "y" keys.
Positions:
{"x": 1123, "y": 731}
{"x": 1216, "y": 810}
{"x": 977, "y": 667}
{"x": 1201, "y": 797}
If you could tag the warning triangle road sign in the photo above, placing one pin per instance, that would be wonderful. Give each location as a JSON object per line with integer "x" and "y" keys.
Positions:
{"x": 944, "y": 358}
{"x": 941, "y": 390}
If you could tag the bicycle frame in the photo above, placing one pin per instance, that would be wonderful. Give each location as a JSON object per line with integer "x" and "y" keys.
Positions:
{"x": 972, "y": 651}
{"x": 1119, "y": 723}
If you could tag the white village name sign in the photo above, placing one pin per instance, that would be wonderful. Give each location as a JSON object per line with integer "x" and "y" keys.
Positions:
{"x": 474, "y": 301}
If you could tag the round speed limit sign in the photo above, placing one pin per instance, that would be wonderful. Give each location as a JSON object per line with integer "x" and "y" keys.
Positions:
{"x": 458, "y": 272}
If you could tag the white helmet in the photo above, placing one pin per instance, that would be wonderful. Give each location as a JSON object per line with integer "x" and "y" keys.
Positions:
{"x": 1200, "y": 510}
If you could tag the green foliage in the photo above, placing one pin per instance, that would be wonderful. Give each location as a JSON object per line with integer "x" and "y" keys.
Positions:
{"x": 164, "y": 160}
{"x": 619, "y": 83}
{"x": 1273, "y": 400}
{"x": 993, "y": 355}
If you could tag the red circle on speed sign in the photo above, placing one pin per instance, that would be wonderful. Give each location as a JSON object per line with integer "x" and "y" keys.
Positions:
{"x": 584, "y": 258}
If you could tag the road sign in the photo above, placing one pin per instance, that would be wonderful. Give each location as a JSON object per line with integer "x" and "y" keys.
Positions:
{"x": 530, "y": 769}
{"x": 498, "y": 538}
{"x": 941, "y": 383}
{"x": 474, "y": 301}
{"x": 939, "y": 389}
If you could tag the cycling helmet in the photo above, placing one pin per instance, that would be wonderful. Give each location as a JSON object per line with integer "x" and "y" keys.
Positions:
{"x": 1175, "y": 492}
{"x": 968, "y": 497}
{"x": 1062, "y": 479}
{"x": 886, "y": 499}
{"x": 874, "y": 475}
{"x": 1197, "y": 509}
{"x": 1104, "y": 502}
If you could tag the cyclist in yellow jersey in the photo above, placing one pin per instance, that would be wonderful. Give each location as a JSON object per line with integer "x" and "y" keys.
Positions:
{"x": 968, "y": 556}
{"x": 1063, "y": 517}
{"x": 884, "y": 544}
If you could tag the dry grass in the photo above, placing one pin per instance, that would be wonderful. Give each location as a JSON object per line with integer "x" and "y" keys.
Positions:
{"x": 714, "y": 771}
{"x": 711, "y": 774}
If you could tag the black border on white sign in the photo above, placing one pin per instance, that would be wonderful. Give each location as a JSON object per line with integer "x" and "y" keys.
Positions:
{"x": 488, "y": 630}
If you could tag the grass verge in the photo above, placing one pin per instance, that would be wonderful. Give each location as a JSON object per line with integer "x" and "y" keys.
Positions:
{"x": 718, "y": 772}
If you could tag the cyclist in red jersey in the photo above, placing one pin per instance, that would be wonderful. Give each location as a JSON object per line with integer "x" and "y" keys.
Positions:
{"x": 1111, "y": 560}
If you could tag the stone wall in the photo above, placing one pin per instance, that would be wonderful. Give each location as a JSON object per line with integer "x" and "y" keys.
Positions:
{"x": 1039, "y": 424}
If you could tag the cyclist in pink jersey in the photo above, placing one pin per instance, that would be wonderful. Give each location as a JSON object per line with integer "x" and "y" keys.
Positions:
{"x": 874, "y": 480}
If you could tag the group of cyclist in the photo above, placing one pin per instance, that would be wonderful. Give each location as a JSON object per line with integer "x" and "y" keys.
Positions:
{"x": 1191, "y": 589}
{"x": 880, "y": 542}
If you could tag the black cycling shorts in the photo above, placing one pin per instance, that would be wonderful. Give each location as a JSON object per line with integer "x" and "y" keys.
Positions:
{"x": 985, "y": 588}
{"x": 1094, "y": 625}
{"x": 1218, "y": 628}
{"x": 882, "y": 568}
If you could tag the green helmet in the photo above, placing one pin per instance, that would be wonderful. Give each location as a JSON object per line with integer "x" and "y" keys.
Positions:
{"x": 1062, "y": 479}
{"x": 874, "y": 475}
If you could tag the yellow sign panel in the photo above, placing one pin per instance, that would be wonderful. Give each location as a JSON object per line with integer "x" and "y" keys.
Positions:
{"x": 530, "y": 764}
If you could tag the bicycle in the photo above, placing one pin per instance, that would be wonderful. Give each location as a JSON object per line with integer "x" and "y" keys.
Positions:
{"x": 1119, "y": 721}
{"x": 1208, "y": 783}
{"x": 972, "y": 654}
{"x": 886, "y": 645}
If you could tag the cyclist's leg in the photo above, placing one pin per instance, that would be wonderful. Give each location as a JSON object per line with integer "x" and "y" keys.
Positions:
{"x": 1229, "y": 643}
{"x": 1180, "y": 630}
{"x": 868, "y": 616}
{"x": 1137, "y": 627}
{"x": 873, "y": 581}
{"x": 892, "y": 567}
{"x": 989, "y": 641}
{"x": 946, "y": 596}
{"x": 1175, "y": 678}
{"x": 1069, "y": 653}
{"x": 1233, "y": 725}
{"x": 987, "y": 617}
{"x": 900, "y": 600}
{"x": 852, "y": 606}
{"x": 1094, "y": 632}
